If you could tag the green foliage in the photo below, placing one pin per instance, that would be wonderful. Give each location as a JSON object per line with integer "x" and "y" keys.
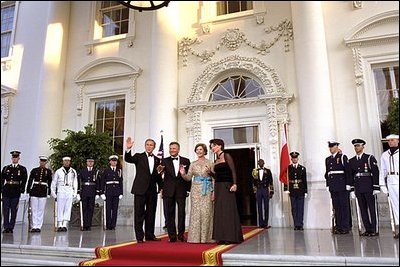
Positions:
{"x": 393, "y": 116}
{"x": 79, "y": 145}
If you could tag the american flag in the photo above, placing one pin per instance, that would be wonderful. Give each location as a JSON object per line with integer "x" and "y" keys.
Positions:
{"x": 160, "y": 153}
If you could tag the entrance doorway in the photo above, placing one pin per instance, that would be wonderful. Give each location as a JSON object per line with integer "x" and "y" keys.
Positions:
{"x": 244, "y": 159}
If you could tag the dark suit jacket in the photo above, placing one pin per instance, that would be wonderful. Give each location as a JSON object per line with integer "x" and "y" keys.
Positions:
{"x": 175, "y": 185}
{"x": 144, "y": 179}
{"x": 266, "y": 181}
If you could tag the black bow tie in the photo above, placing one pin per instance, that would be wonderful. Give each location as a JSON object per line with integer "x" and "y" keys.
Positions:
{"x": 150, "y": 155}
{"x": 175, "y": 158}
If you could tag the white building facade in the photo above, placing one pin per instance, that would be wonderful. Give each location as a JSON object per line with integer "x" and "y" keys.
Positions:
{"x": 201, "y": 70}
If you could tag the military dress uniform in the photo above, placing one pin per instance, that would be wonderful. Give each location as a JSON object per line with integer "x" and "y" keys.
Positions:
{"x": 89, "y": 187}
{"x": 64, "y": 188}
{"x": 389, "y": 177}
{"x": 365, "y": 177}
{"x": 13, "y": 181}
{"x": 264, "y": 191}
{"x": 112, "y": 188}
{"x": 297, "y": 190}
{"x": 39, "y": 188}
{"x": 338, "y": 182}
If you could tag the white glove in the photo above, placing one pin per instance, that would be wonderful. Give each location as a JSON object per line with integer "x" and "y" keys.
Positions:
{"x": 103, "y": 197}
{"x": 48, "y": 196}
{"x": 120, "y": 197}
{"x": 287, "y": 192}
{"x": 53, "y": 195}
{"x": 348, "y": 188}
{"x": 352, "y": 195}
{"x": 78, "y": 197}
{"x": 97, "y": 196}
{"x": 327, "y": 188}
{"x": 24, "y": 197}
{"x": 305, "y": 195}
{"x": 375, "y": 192}
{"x": 384, "y": 189}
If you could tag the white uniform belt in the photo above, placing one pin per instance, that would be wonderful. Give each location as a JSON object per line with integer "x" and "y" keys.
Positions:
{"x": 40, "y": 183}
{"x": 363, "y": 174}
{"x": 112, "y": 182}
{"x": 335, "y": 172}
{"x": 89, "y": 183}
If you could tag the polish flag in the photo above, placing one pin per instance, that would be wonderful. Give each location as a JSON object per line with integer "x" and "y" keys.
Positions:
{"x": 285, "y": 161}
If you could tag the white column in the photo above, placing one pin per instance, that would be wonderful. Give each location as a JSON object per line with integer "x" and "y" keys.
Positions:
{"x": 314, "y": 96}
{"x": 50, "y": 88}
{"x": 164, "y": 76}
{"x": 163, "y": 84}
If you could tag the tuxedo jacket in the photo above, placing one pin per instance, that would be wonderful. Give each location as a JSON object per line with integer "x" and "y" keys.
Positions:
{"x": 175, "y": 185}
{"x": 145, "y": 179}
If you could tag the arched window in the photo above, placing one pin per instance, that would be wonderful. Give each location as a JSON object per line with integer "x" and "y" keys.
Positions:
{"x": 236, "y": 87}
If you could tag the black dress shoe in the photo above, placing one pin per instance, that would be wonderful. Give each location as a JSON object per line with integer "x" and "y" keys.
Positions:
{"x": 396, "y": 236}
{"x": 182, "y": 238}
{"x": 301, "y": 228}
{"x": 296, "y": 228}
{"x": 172, "y": 240}
{"x": 140, "y": 241}
{"x": 5, "y": 231}
{"x": 38, "y": 230}
{"x": 10, "y": 231}
{"x": 364, "y": 234}
{"x": 65, "y": 229}
{"x": 373, "y": 234}
{"x": 267, "y": 227}
{"x": 153, "y": 239}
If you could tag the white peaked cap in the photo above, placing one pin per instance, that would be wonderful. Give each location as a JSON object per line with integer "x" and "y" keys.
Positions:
{"x": 392, "y": 136}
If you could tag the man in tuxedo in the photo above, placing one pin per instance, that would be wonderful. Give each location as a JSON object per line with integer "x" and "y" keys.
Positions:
{"x": 145, "y": 188}
{"x": 175, "y": 190}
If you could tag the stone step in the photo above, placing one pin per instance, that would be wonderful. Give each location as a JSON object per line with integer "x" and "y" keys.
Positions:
{"x": 29, "y": 255}
{"x": 297, "y": 260}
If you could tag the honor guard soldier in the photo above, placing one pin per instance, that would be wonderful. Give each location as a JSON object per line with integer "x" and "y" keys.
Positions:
{"x": 297, "y": 190}
{"x": 112, "y": 191}
{"x": 389, "y": 178}
{"x": 365, "y": 178}
{"x": 338, "y": 184}
{"x": 264, "y": 191}
{"x": 13, "y": 181}
{"x": 64, "y": 188}
{"x": 88, "y": 192}
{"x": 38, "y": 188}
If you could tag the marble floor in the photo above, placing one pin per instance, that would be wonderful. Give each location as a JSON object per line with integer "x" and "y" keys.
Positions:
{"x": 275, "y": 241}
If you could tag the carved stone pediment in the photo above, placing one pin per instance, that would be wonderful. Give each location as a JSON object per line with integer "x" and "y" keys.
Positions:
{"x": 382, "y": 28}
{"x": 275, "y": 97}
{"x": 106, "y": 68}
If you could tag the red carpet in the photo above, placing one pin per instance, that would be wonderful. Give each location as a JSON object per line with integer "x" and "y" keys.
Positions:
{"x": 163, "y": 253}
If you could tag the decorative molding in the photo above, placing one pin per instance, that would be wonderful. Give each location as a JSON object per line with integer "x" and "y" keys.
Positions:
{"x": 353, "y": 38}
{"x": 275, "y": 98}
{"x": 358, "y": 67}
{"x": 234, "y": 38}
{"x": 355, "y": 42}
{"x": 260, "y": 19}
{"x": 206, "y": 28}
{"x": 83, "y": 78}
{"x": 357, "y": 4}
{"x": 7, "y": 93}
{"x": 6, "y": 64}
{"x": 193, "y": 125}
{"x": 267, "y": 75}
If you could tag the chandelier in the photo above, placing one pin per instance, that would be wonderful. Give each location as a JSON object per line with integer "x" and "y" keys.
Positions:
{"x": 144, "y": 5}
